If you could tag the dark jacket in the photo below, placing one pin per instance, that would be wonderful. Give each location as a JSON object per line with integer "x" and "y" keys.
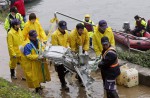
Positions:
{"x": 109, "y": 64}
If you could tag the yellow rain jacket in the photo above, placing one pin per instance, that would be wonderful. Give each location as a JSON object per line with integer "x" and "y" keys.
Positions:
{"x": 34, "y": 26}
{"x": 76, "y": 40}
{"x": 58, "y": 39}
{"x": 97, "y": 39}
{"x": 33, "y": 67}
{"x": 14, "y": 40}
{"x": 142, "y": 23}
{"x": 8, "y": 20}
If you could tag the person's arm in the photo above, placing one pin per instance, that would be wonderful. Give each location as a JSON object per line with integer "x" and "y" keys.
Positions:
{"x": 27, "y": 53}
{"x": 95, "y": 45}
{"x": 10, "y": 44}
{"x": 68, "y": 43}
{"x": 54, "y": 41}
{"x": 86, "y": 44}
{"x": 25, "y": 31}
{"x": 21, "y": 20}
{"x": 7, "y": 24}
{"x": 42, "y": 33}
{"x": 144, "y": 23}
{"x": 72, "y": 42}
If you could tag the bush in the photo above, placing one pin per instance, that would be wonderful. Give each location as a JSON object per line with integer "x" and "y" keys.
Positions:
{"x": 9, "y": 90}
{"x": 142, "y": 59}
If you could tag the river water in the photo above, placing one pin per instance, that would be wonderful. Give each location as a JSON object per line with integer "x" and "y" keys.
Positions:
{"x": 114, "y": 11}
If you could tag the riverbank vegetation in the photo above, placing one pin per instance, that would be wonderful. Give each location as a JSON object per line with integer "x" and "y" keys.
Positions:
{"x": 9, "y": 90}
{"x": 142, "y": 59}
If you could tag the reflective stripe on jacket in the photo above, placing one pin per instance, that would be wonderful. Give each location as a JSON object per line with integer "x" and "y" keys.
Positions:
{"x": 111, "y": 49}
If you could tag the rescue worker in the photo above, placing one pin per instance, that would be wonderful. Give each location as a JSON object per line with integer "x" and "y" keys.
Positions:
{"x": 140, "y": 26}
{"x": 13, "y": 15}
{"x": 109, "y": 68}
{"x": 79, "y": 37}
{"x": 61, "y": 38}
{"x": 19, "y": 4}
{"x": 36, "y": 68}
{"x": 89, "y": 27}
{"x": 34, "y": 24}
{"x": 14, "y": 40}
{"x": 102, "y": 30}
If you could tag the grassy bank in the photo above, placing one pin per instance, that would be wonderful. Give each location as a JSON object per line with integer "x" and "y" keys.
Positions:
{"x": 9, "y": 90}
{"x": 142, "y": 59}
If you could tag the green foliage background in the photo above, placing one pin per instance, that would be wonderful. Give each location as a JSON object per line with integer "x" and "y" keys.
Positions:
{"x": 142, "y": 59}
{"x": 9, "y": 90}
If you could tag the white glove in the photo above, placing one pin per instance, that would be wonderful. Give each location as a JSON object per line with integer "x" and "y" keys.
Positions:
{"x": 21, "y": 48}
{"x": 40, "y": 57}
{"x": 86, "y": 53}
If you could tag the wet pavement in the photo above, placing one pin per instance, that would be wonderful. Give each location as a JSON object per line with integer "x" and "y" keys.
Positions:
{"x": 53, "y": 88}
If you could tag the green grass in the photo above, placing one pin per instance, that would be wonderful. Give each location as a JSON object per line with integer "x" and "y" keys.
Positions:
{"x": 9, "y": 90}
{"x": 142, "y": 59}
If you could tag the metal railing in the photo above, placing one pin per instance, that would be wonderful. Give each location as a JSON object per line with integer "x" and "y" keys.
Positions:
{"x": 55, "y": 15}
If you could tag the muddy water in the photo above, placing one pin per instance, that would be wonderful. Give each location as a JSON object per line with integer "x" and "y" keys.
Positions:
{"x": 114, "y": 11}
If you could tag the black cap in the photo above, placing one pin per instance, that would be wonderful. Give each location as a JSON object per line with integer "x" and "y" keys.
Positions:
{"x": 104, "y": 40}
{"x": 14, "y": 9}
{"x": 62, "y": 24}
{"x": 32, "y": 33}
{"x": 103, "y": 24}
{"x": 136, "y": 17}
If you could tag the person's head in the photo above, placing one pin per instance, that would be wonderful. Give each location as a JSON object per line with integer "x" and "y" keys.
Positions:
{"x": 87, "y": 17}
{"x": 80, "y": 28}
{"x": 105, "y": 42}
{"x": 62, "y": 25}
{"x": 13, "y": 10}
{"x": 32, "y": 17}
{"x": 15, "y": 23}
{"x": 137, "y": 18}
{"x": 32, "y": 35}
{"x": 102, "y": 26}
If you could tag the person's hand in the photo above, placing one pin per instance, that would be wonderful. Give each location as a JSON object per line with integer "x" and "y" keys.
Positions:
{"x": 40, "y": 57}
{"x": 86, "y": 52}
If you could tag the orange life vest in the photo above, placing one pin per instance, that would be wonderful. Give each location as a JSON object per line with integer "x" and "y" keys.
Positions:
{"x": 111, "y": 49}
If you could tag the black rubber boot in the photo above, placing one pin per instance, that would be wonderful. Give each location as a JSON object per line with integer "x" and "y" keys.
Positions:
{"x": 38, "y": 90}
{"x": 112, "y": 94}
{"x": 12, "y": 71}
{"x": 65, "y": 87}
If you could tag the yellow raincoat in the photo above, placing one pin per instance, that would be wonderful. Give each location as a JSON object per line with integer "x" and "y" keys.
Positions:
{"x": 34, "y": 26}
{"x": 7, "y": 25}
{"x": 58, "y": 39}
{"x": 33, "y": 67}
{"x": 14, "y": 40}
{"x": 76, "y": 40}
{"x": 97, "y": 39}
{"x": 143, "y": 23}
